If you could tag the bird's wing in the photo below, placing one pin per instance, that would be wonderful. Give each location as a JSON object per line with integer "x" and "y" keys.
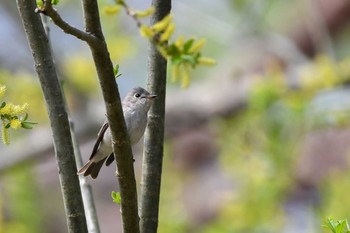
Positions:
{"x": 110, "y": 159}
{"x": 99, "y": 138}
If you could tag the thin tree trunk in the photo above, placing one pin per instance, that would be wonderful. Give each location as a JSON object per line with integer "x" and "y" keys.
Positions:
{"x": 45, "y": 68}
{"x": 86, "y": 189}
{"x": 94, "y": 37}
{"x": 154, "y": 135}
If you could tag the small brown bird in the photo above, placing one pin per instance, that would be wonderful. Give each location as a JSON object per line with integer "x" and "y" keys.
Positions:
{"x": 135, "y": 108}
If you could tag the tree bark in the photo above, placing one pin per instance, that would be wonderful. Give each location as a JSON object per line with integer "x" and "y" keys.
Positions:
{"x": 86, "y": 189}
{"x": 120, "y": 139}
{"x": 45, "y": 68}
{"x": 94, "y": 37}
{"x": 154, "y": 135}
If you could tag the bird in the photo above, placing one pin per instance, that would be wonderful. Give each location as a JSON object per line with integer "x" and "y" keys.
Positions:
{"x": 136, "y": 105}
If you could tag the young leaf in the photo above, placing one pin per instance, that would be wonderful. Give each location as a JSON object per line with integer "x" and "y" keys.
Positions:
{"x": 145, "y": 13}
{"x": 116, "y": 197}
{"x": 111, "y": 10}
{"x": 28, "y": 124}
{"x": 25, "y": 117}
{"x": 188, "y": 45}
{"x": 116, "y": 71}
{"x": 39, "y": 3}
{"x": 55, "y": 2}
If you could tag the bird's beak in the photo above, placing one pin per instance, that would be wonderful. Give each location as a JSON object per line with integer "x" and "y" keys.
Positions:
{"x": 151, "y": 97}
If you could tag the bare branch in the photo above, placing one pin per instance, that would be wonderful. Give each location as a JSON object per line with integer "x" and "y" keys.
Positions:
{"x": 67, "y": 28}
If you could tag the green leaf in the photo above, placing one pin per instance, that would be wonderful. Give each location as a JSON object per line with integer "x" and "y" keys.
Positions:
{"x": 188, "y": 45}
{"x": 25, "y": 117}
{"x": 173, "y": 50}
{"x": 188, "y": 58}
{"x": 116, "y": 71}
{"x": 28, "y": 124}
{"x": 340, "y": 226}
{"x": 3, "y": 104}
{"x": 116, "y": 197}
{"x": 329, "y": 224}
{"x": 55, "y": 2}
{"x": 39, "y": 3}
{"x": 7, "y": 126}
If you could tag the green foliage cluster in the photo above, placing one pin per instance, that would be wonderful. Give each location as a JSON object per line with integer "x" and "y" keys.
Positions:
{"x": 21, "y": 87}
{"x": 340, "y": 226}
{"x": 182, "y": 54}
{"x": 335, "y": 195}
{"x": 11, "y": 116}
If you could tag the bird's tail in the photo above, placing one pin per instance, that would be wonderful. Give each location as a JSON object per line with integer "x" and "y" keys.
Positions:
{"x": 85, "y": 168}
{"x": 91, "y": 168}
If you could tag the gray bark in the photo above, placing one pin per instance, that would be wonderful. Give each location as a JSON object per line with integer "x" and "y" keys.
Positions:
{"x": 120, "y": 139}
{"x": 94, "y": 37}
{"x": 86, "y": 189}
{"x": 45, "y": 68}
{"x": 154, "y": 135}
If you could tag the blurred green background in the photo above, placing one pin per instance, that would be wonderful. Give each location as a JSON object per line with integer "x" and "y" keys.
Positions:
{"x": 258, "y": 143}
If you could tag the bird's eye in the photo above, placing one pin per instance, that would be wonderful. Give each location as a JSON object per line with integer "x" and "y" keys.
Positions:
{"x": 137, "y": 95}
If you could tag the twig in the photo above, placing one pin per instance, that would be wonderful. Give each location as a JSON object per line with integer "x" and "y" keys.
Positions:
{"x": 67, "y": 28}
{"x": 86, "y": 189}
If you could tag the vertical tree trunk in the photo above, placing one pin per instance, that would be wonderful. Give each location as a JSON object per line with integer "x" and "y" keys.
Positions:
{"x": 120, "y": 140}
{"x": 154, "y": 136}
{"x": 45, "y": 68}
{"x": 86, "y": 189}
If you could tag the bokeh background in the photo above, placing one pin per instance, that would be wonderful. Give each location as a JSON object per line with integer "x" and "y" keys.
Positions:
{"x": 258, "y": 143}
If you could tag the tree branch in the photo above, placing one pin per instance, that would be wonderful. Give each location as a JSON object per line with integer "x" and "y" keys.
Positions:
{"x": 67, "y": 28}
{"x": 154, "y": 136}
{"x": 86, "y": 190}
{"x": 92, "y": 18}
{"x": 120, "y": 140}
{"x": 58, "y": 116}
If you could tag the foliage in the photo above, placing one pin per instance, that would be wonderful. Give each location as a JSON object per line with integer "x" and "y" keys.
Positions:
{"x": 335, "y": 188}
{"x": 116, "y": 71}
{"x": 116, "y": 197}
{"x": 40, "y": 3}
{"x": 339, "y": 226}
{"x": 23, "y": 86}
{"x": 11, "y": 116}
{"x": 182, "y": 54}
